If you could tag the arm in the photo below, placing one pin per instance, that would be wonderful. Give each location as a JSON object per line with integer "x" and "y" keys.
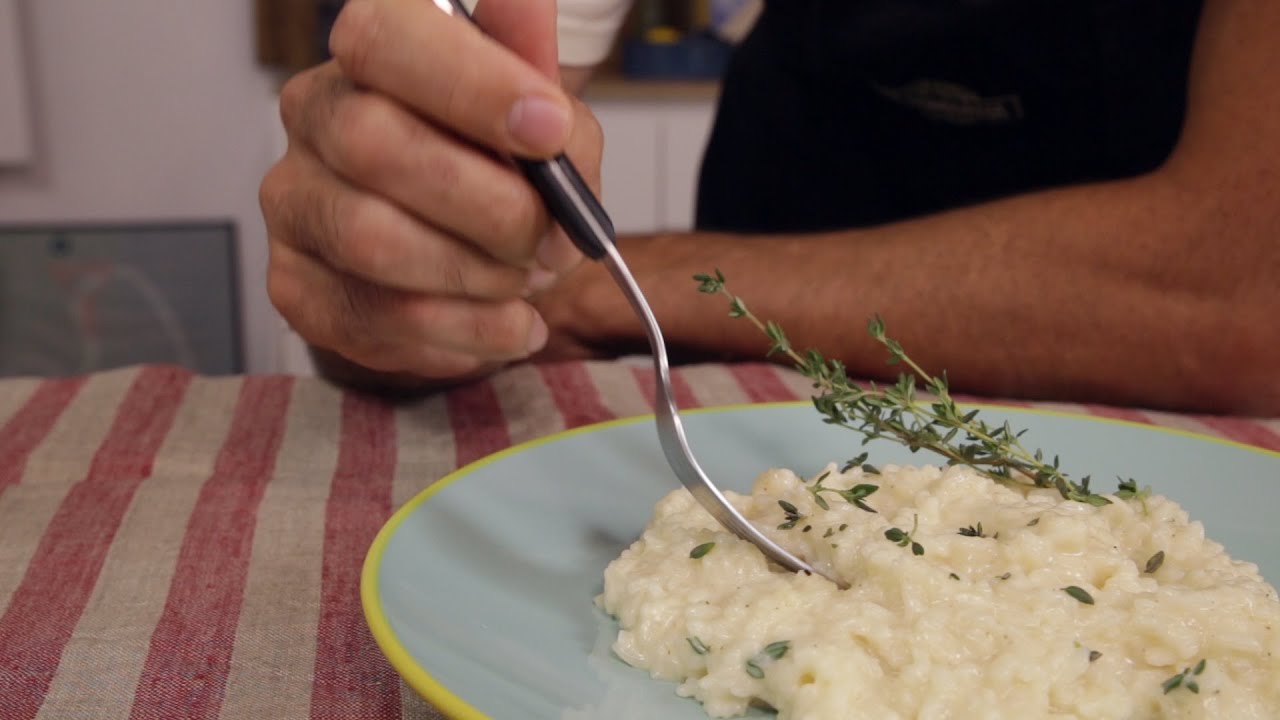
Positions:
{"x": 1161, "y": 290}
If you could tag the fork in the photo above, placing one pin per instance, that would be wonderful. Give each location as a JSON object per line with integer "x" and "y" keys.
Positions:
{"x": 585, "y": 221}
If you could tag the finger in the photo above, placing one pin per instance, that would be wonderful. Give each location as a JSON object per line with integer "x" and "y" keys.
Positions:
{"x": 386, "y": 327}
{"x": 527, "y": 28}
{"x": 379, "y": 146}
{"x": 557, "y": 252}
{"x": 447, "y": 69}
{"x": 371, "y": 238}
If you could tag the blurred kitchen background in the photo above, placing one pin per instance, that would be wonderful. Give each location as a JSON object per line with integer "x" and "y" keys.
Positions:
{"x": 134, "y": 134}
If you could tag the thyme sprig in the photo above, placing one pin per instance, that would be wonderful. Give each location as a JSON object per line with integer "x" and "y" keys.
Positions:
{"x": 792, "y": 514}
{"x": 904, "y": 538}
{"x": 856, "y": 495}
{"x": 896, "y": 412}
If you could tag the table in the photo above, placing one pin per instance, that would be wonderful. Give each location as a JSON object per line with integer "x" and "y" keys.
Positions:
{"x": 177, "y": 546}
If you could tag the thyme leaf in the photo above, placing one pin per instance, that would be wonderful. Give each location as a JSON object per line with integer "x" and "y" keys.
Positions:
{"x": 700, "y": 551}
{"x": 1079, "y": 593}
{"x": 1154, "y": 563}
{"x": 698, "y": 646}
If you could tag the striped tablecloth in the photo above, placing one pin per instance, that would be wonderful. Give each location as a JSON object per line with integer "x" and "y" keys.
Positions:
{"x": 175, "y": 546}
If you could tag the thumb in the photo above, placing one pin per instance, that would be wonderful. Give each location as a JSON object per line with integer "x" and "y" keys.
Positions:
{"x": 526, "y": 27}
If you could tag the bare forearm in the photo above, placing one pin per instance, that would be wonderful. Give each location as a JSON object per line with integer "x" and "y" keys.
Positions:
{"x": 1128, "y": 292}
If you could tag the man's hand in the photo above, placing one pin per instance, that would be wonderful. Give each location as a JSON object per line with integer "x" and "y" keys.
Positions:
{"x": 401, "y": 238}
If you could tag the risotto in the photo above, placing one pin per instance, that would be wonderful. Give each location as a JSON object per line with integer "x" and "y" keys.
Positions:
{"x": 969, "y": 599}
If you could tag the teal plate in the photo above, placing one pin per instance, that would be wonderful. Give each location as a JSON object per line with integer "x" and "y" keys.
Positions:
{"x": 480, "y": 590}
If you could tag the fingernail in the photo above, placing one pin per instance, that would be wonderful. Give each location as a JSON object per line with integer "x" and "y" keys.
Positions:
{"x": 557, "y": 252}
{"x": 540, "y": 124}
{"x": 538, "y": 280}
{"x": 537, "y": 334}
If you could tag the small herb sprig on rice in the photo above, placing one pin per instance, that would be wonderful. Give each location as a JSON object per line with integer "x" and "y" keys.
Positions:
{"x": 896, "y": 412}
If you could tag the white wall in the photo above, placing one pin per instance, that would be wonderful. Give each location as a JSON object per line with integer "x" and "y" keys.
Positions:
{"x": 15, "y": 124}
{"x": 150, "y": 110}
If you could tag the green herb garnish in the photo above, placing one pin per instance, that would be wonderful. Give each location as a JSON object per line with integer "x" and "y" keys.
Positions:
{"x": 855, "y": 495}
{"x": 772, "y": 651}
{"x": 1186, "y": 679}
{"x": 973, "y": 531}
{"x": 793, "y": 515}
{"x": 1079, "y": 593}
{"x": 700, "y": 551}
{"x": 895, "y": 412}
{"x": 1154, "y": 562}
{"x": 698, "y": 646}
{"x": 903, "y": 538}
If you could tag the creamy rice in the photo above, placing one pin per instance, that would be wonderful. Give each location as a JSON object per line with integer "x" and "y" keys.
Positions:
{"x": 976, "y": 627}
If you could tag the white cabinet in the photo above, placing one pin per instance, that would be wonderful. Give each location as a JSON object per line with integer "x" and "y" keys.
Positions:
{"x": 652, "y": 154}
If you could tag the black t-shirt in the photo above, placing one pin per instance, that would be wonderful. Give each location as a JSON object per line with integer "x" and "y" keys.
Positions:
{"x": 848, "y": 113}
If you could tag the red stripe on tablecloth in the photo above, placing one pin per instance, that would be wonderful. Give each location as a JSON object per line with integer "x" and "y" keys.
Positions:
{"x": 26, "y": 428}
{"x": 352, "y": 678}
{"x": 185, "y": 674}
{"x": 760, "y": 383}
{"x": 1119, "y": 413}
{"x": 43, "y": 612}
{"x": 1243, "y": 430}
{"x": 684, "y": 396}
{"x": 479, "y": 427}
{"x": 575, "y": 394}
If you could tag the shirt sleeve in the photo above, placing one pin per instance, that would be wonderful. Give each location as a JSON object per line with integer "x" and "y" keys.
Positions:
{"x": 587, "y": 28}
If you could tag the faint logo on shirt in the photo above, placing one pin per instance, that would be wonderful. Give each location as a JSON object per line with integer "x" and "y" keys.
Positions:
{"x": 952, "y": 103}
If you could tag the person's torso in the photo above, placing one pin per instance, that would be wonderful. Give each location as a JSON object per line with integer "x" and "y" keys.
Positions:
{"x": 847, "y": 113}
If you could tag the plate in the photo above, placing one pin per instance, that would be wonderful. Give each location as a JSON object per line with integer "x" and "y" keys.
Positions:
{"x": 480, "y": 590}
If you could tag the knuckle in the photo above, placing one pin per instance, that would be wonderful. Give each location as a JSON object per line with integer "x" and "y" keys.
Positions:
{"x": 294, "y": 99}
{"x": 502, "y": 329}
{"x": 271, "y": 195}
{"x": 520, "y": 220}
{"x": 282, "y": 288}
{"x": 357, "y": 310}
{"x": 592, "y": 131}
{"x": 354, "y": 36}
{"x": 365, "y": 242}
{"x": 361, "y": 128}
{"x": 442, "y": 172}
{"x": 278, "y": 199}
{"x": 452, "y": 275}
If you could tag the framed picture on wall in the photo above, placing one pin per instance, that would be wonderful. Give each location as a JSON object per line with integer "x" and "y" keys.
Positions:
{"x": 77, "y": 299}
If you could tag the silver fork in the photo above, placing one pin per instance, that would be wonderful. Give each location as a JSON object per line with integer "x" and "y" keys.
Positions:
{"x": 576, "y": 209}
